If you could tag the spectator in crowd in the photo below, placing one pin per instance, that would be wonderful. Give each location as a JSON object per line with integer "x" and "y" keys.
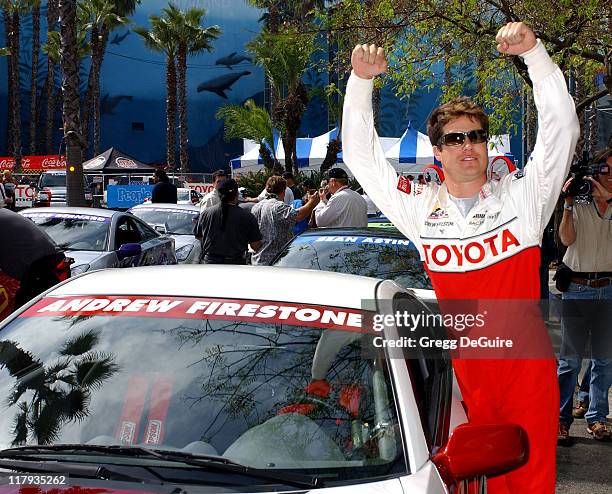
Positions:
{"x": 213, "y": 198}
{"x": 30, "y": 261}
{"x": 344, "y": 207}
{"x": 226, "y": 230}
{"x": 288, "y": 196}
{"x": 163, "y": 190}
{"x": 10, "y": 186}
{"x": 3, "y": 198}
{"x": 276, "y": 219}
{"x": 586, "y": 230}
{"x": 290, "y": 179}
{"x": 468, "y": 208}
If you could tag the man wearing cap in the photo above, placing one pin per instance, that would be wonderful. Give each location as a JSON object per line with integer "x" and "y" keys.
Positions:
{"x": 345, "y": 207}
{"x": 226, "y": 230}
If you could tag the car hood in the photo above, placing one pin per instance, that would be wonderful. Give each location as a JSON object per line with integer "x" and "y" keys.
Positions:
{"x": 84, "y": 256}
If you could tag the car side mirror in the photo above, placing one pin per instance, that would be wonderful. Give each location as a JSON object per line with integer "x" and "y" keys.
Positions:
{"x": 161, "y": 229}
{"x": 477, "y": 450}
{"x": 128, "y": 250}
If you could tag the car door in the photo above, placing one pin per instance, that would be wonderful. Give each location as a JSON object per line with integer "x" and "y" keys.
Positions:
{"x": 156, "y": 248}
{"x": 126, "y": 232}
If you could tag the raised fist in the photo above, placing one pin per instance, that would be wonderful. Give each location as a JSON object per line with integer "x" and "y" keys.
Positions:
{"x": 368, "y": 61}
{"x": 515, "y": 38}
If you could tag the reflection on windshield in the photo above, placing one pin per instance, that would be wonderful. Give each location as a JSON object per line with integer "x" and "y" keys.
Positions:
{"x": 74, "y": 234}
{"x": 265, "y": 395}
{"x": 176, "y": 222}
{"x": 377, "y": 260}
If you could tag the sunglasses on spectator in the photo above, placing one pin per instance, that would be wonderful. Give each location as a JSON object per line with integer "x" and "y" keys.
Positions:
{"x": 476, "y": 136}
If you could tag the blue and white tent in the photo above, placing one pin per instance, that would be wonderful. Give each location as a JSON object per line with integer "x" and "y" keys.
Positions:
{"x": 407, "y": 154}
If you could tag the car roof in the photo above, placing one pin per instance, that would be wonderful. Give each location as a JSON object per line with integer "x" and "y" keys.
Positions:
{"x": 361, "y": 232}
{"x": 226, "y": 281}
{"x": 107, "y": 213}
{"x": 158, "y": 205}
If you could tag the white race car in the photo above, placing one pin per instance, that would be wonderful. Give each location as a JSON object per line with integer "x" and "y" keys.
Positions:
{"x": 245, "y": 382}
{"x": 177, "y": 221}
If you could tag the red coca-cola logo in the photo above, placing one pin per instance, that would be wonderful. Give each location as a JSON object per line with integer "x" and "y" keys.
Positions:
{"x": 125, "y": 163}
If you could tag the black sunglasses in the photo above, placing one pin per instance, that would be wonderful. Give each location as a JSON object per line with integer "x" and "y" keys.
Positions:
{"x": 458, "y": 138}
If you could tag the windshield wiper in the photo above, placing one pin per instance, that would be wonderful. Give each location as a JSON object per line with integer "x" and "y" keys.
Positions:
{"x": 211, "y": 462}
{"x": 88, "y": 471}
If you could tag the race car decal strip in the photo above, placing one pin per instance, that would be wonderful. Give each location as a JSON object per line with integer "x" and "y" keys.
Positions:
{"x": 158, "y": 410}
{"x": 201, "y": 308}
{"x": 68, "y": 216}
{"x": 473, "y": 236}
{"x": 133, "y": 406}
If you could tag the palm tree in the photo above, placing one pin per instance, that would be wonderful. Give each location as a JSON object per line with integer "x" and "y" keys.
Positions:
{"x": 191, "y": 38}
{"x": 52, "y": 17}
{"x": 35, "y": 5}
{"x": 285, "y": 57}
{"x": 160, "y": 39}
{"x": 75, "y": 193}
{"x": 250, "y": 122}
{"x": 61, "y": 392}
{"x": 101, "y": 17}
{"x": 6, "y": 14}
{"x": 13, "y": 10}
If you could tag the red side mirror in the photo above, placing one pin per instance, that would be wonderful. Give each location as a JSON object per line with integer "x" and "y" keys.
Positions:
{"x": 475, "y": 450}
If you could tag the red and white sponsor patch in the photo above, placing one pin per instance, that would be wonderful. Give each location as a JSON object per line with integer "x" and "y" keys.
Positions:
{"x": 201, "y": 308}
{"x": 404, "y": 184}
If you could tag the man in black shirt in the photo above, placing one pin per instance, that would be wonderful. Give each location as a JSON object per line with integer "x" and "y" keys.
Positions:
{"x": 226, "y": 230}
{"x": 163, "y": 191}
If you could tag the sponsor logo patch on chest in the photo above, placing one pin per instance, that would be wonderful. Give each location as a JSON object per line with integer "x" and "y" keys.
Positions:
{"x": 470, "y": 252}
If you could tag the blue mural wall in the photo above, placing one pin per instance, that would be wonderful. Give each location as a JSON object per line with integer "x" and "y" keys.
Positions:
{"x": 133, "y": 89}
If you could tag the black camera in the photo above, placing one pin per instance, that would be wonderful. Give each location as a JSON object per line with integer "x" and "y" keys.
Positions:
{"x": 580, "y": 188}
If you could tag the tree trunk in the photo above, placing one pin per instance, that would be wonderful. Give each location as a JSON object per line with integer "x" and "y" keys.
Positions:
{"x": 71, "y": 112}
{"x": 52, "y": 13}
{"x": 16, "y": 107}
{"x": 33, "y": 81}
{"x": 170, "y": 112}
{"x": 9, "y": 82}
{"x": 88, "y": 102}
{"x": 182, "y": 107}
{"x": 91, "y": 114}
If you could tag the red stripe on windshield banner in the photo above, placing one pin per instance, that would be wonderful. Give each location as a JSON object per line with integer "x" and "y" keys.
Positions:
{"x": 317, "y": 316}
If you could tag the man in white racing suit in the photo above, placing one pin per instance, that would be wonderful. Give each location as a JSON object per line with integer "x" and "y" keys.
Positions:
{"x": 480, "y": 239}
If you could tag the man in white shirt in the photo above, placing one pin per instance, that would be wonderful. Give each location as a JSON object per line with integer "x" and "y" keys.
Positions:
{"x": 345, "y": 207}
{"x": 213, "y": 198}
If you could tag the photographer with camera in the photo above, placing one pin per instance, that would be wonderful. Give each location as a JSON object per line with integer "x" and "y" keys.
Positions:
{"x": 586, "y": 230}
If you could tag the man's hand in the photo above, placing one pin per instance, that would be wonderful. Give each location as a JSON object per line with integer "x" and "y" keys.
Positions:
{"x": 599, "y": 193}
{"x": 515, "y": 38}
{"x": 368, "y": 61}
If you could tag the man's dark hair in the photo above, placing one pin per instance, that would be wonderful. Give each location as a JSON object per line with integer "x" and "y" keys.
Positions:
{"x": 461, "y": 106}
{"x": 228, "y": 191}
{"x": 161, "y": 175}
{"x": 219, "y": 173}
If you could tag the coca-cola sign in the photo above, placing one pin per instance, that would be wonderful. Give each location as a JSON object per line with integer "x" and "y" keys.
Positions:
{"x": 125, "y": 162}
{"x": 46, "y": 162}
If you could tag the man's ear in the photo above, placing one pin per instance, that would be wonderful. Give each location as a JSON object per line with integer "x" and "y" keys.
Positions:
{"x": 437, "y": 153}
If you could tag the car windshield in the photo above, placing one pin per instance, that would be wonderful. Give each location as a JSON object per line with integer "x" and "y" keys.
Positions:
{"x": 176, "y": 221}
{"x": 391, "y": 257}
{"x": 183, "y": 195}
{"x": 74, "y": 231}
{"x": 272, "y": 385}
{"x": 53, "y": 180}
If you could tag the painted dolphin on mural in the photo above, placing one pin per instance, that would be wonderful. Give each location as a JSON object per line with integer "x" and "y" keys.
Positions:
{"x": 220, "y": 84}
{"x": 109, "y": 103}
{"x": 118, "y": 39}
{"x": 232, "y": 59}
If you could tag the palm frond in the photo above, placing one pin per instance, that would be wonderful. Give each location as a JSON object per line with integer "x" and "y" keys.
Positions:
{"x": 93, "y": 369}
{"x": 20, "y": 425}
{"x": 247, "y": 122}
{"x": 80, "y": 344}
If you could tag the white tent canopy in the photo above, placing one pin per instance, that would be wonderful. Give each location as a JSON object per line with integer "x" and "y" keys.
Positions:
{"x": 409, "y": 153}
